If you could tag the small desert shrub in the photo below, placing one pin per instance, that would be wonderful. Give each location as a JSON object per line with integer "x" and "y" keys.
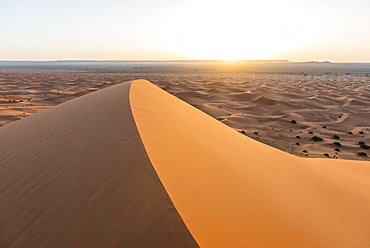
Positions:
{"x": 362, "y": 154}
{"x": 326, "y": 155}
{"x": 335, "y": 136}
{"x": 337, "y": 149}
{"x": 310, "y": 132}
{"x": 293, "y": 121}
{"x": 304, "y": 151}
{"x": 349, "y": 132}
{"x": 324, "y": 126}
{"x": 361, "y": 132}
{"x": 256, "y": 133}
{"x": 337, "y": 143}
{"x": 364, "y": 146}
{"x": 298, "y": 137}
{"x": 316, "y": 138}
{"x": 297, "y": 143}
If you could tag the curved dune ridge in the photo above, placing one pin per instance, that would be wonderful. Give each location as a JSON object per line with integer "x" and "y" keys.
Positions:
{"x": 77, "y": 175}
{"x": 133, "y": 166}
{"x": 233, "y": 191}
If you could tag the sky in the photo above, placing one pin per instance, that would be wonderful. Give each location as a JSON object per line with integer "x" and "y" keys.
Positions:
{"x": 297, "y": 30}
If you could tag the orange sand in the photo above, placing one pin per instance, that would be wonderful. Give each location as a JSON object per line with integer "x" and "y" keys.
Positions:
{"x": 232, "y": 191}
{"x": 133, "y": 166}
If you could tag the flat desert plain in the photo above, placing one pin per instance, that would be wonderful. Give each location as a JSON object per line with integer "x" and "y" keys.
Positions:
{"x": 283, "y": 110}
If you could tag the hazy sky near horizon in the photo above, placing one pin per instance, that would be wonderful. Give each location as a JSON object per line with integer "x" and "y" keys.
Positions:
{"x": 298, "y": 30}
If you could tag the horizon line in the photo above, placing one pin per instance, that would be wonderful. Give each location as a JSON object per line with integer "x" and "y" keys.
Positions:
{"x": 182, "y": 60}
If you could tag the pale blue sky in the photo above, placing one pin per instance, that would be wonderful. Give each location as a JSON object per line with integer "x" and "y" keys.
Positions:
{"x": 297, "y": 30}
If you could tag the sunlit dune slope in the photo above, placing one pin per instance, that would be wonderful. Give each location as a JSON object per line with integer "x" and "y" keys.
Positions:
{"x": 232, "y": 191}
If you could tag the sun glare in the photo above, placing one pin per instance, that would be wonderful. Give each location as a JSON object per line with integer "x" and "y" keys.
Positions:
{"x": 235, "y": 30}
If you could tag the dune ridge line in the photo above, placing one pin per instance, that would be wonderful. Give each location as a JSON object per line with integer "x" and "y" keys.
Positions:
{"x": 77, "y": 175}
{"x": 233, "y": 191}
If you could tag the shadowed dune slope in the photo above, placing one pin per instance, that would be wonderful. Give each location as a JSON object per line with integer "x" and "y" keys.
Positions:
{"x": 232, "y": 191}
{"x": 77, "y": 175}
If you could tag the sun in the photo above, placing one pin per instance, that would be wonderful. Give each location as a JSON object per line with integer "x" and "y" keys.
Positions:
{"x": 235, "y": 29}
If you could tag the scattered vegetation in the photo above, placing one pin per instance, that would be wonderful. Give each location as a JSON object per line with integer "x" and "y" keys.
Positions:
{"x": 304, "y": 151}
{"x": 361, "y": 132}
{"x": 326, "y": 154}
{"x": 293, "y": 121}
{"x": 310, "y": 132}
{"x": 364, "y": 154}
{"x": 298, "y": 137}
{"x": 350, "y": 132}
{"x": 316, "y": 138}
{"x": 297, "y": 143}
{"x": 256, "y": 133}
{"x": 335, "y": 136}
{"x": 242, "y": 131}
{"x": 324, "y": 126}
{"x": 337, "y": 149}
{"x": 337, "y": 143}
{"x": 363, "y": 145}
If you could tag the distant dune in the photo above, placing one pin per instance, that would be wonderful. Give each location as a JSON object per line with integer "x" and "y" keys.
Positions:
{"x": 262, "y": 105}
{"x": 133, "y": 166}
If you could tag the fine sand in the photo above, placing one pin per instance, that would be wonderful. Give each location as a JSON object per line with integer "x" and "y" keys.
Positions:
{"x": 232, "y": 191}
{"x": 134, "y": 166}
{"x": 261, "y": 105}
{"x": 77, "y": 175}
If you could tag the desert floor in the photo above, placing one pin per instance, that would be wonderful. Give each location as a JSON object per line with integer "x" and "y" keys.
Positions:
{"x": 283, "y": 110}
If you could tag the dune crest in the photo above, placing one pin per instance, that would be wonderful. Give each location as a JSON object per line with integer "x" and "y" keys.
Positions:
{"x": 77, "y": 175}
{"x": 232, "y": 191}
{"x": 133, "y": 166}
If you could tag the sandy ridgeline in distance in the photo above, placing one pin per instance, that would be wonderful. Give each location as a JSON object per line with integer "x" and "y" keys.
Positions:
{"x": 280, "y": 109}
{"x": 133, "y": 166}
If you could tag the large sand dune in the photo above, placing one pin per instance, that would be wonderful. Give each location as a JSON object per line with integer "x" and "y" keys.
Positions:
{"x": 77, "y": 175}
{"x": 133, "y": 166}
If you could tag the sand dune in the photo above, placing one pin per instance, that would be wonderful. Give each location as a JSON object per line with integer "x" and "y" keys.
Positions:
{"x": 262, "y": 103}
{"x": 133, "y": 166}
{"x": 265, "y": 104}
{"x": 235, "y": 192}
{"x": 77, "y": 175}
